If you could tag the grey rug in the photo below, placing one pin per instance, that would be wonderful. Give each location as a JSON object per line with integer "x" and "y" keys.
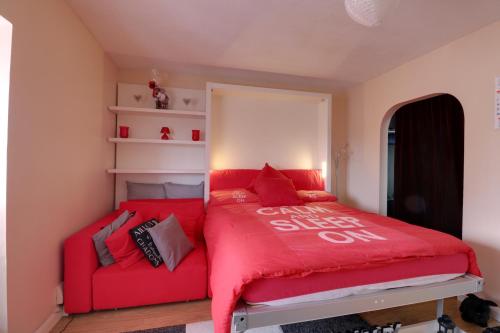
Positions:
{"x": 329, "y": 325}
{"x": 170, "y": 329}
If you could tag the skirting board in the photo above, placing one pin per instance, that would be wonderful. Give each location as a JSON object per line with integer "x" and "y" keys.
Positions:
{"x": 51, "y": 321}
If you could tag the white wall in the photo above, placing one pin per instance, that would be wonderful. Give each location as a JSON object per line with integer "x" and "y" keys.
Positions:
{"x": 466, "y": 69}
{"x": 248, "y": 131}
{"x": 61, "y": 82}
{"x": 5, "y": 49}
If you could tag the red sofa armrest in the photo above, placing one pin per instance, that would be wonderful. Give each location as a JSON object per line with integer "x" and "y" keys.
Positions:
{"x": 80, "y": 263}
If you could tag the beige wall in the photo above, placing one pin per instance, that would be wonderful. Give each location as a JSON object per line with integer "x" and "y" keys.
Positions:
{"x": 61, "y": 82}
{"x": 181, "y": 79}
{"x": 339, "y": 137}
{"x": 465, "y": 68}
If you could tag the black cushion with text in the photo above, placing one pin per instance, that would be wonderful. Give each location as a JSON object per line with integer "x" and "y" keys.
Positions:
{"x": 144, "y": 242}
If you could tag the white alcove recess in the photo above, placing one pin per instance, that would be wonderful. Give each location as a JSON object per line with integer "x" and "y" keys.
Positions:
{"x": 248, "y": 126}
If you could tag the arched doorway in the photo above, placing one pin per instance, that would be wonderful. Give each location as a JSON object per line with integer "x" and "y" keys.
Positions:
{"x": 425, "y": 161}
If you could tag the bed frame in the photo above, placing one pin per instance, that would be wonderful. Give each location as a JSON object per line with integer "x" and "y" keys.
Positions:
{"x": 247, "y": 317}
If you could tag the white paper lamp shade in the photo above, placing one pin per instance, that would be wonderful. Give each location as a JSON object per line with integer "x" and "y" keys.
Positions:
{"x": 369, "y": 12}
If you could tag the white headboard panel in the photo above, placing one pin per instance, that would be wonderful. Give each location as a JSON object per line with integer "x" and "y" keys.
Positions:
{"x": 250, "y": 126}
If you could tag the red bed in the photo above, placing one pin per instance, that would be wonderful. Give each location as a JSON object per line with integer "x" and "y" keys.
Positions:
{"x": 337, "y": 284}
{"x": 265, "y": 253}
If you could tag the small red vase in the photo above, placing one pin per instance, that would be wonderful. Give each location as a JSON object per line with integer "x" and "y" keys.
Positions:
{"x": 124, "y": 131}
{"x": 195, "y": 135}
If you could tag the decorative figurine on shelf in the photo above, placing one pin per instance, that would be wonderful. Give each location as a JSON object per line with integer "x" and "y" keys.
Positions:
{"x": 158, "y": 92}
{"x": 165, "y": 131}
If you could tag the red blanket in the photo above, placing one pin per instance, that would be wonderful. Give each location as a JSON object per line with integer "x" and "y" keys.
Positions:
{"x": 246, "y": 242}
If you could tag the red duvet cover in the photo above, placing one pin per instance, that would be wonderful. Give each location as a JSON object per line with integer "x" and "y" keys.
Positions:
{"x": 246, "y": 242}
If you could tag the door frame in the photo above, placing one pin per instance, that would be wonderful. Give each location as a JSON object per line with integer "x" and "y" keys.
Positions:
{"x": 5, "y": 60}
{"x": 384, "y": 148}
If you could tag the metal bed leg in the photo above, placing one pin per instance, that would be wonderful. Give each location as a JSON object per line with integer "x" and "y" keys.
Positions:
{"x": 439, "y": 308}
{"x": 239, "y": 322}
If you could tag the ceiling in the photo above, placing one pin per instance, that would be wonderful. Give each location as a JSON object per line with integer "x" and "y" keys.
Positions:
{"x": 302, "y": 40}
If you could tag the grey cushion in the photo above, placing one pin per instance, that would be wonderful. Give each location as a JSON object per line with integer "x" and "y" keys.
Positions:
{"x": 105, "y": 258}
{"x": 182, "y": 191}
{"x": 138, "y": 191}
{"x": 171, "y": 241}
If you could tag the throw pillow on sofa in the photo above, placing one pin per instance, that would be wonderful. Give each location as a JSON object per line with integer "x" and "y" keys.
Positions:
{"x": 183, "y": 191}
{"x": 192, "y": 226}
{"x": 144, "y": 242}
{"x": 139, "y": 191}
{"x": 171, "y": 241}
{"x": 121, "y": 245}
{"x": 105, "y": 258}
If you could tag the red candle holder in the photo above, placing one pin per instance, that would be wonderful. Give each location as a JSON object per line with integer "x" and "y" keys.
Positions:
{"x": 195, "y": 135}
{"x": 124, "y": 131}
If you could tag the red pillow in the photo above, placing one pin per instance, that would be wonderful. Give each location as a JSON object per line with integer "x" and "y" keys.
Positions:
{"x": 266, "y": 172}
{"x": 270, "y": 172}
{"x": 277, "y": 192}
{"x": 232, "y": 178}
{"x": 122, "y": 247}
{"x": 230, "y": 197}
{"x": 305, "y": 179}
{"x": 316, "y": 196}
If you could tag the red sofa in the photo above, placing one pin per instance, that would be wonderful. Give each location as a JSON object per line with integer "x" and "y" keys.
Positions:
{"x": 89, "y": 286}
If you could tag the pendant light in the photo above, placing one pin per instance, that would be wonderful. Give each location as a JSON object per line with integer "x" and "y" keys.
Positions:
{"x": 369, "y": 12}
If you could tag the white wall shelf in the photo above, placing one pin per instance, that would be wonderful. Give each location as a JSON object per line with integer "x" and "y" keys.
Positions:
{"x": 157, "y": 171}
{"x": 157, "y": 141}
{"x": 132, "y": 111}
{"x": 143, "y": 157}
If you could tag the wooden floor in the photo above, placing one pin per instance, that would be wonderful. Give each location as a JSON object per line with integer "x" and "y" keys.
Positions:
{"x": 180, "y": 313}
{"x": 135, "y": 318}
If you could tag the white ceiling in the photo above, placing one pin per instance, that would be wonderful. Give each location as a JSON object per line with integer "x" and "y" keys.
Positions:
{"x": 303, "y": 40}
